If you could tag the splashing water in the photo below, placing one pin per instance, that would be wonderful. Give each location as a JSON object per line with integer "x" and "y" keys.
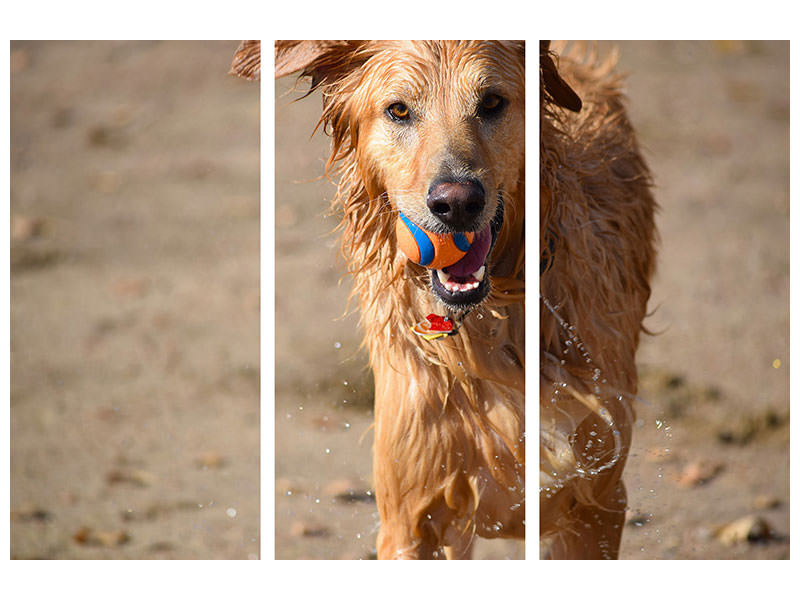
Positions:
{"x": 574, "y": 341}
{"x": 639, "y": 518}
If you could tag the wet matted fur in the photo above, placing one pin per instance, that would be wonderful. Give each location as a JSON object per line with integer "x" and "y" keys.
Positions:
{"x": 449, "y": 453}
{"x": 596, "y": 259}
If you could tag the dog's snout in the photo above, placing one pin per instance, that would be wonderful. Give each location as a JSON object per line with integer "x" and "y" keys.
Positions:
{"x": 457, "y": 204}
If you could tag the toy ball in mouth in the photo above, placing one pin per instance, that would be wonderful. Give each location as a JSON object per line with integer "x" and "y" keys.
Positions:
{"x": 432, "y": 250}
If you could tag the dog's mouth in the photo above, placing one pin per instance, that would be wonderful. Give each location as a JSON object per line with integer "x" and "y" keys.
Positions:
{"x": 466, "y": 283}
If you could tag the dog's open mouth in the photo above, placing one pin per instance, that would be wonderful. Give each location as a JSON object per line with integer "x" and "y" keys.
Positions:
{"x": 466, "y": 282}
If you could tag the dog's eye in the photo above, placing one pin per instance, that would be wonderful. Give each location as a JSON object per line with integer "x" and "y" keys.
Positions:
{"x": 398, "y": 112}
{"x": 491, "y": 105}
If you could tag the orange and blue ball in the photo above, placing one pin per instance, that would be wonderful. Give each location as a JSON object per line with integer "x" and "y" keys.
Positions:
{"x": 431, "y": 250}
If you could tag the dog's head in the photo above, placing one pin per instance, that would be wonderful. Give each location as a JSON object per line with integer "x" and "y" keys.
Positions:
{"x": 436, "y": 131}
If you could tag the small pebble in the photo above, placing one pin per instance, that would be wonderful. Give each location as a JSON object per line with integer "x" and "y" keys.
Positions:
{"x": 764, "y": 502}
{"x": 698, "y": 473}
{"x": 87, "y": 536}
{"x": 746, "y": 529}
{"x": 308, "y": 529}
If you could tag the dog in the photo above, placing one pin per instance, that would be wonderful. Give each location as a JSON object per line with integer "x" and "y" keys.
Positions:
{"x": 597, "y": 256}
{"x": 433, "y": 132}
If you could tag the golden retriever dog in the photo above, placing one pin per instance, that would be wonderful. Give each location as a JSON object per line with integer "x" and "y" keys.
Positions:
{"x": 435, "y": 132}
{"x": 596, "y": 259}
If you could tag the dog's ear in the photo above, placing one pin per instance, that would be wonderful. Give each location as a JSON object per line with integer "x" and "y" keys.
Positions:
{"x": 323, "y": 61}
{"x": 247, "y": 60}
{"x": 292, "y": 56}
{"x": 554, "y": 87}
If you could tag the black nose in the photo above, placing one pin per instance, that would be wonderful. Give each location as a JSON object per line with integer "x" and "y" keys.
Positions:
{"x": 457, "y": 204}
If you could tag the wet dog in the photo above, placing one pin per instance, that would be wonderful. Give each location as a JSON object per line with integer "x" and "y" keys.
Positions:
{"x": 596, "y": 259}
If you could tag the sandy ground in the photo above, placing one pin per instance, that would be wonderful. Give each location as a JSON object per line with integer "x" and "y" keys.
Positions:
{"x": 710, "y": 461}
{"x": 134, "y": 302}
{"x": 711, "y": 442}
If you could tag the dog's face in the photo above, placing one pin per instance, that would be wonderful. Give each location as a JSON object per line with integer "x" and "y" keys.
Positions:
{"x": 441, "y": 128}
{"x": 437, "y": 131}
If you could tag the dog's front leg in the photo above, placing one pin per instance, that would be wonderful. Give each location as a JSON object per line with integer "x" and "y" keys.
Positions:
{"x": 414, "y": 469}
{"x": 595, "y": 531}
{"x": 411, "y": 522}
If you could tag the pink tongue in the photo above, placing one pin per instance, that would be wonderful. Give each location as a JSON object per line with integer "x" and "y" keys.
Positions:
{"x": 475, "y": 256}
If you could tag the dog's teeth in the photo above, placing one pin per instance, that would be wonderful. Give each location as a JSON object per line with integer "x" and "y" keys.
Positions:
{"x": 458, "y": 287}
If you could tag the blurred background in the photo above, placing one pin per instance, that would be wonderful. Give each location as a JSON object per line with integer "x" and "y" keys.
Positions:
{"x": 709, "y": 473}
{"x": 134, "y": 302}
{"x": 324, "y": 508}
{"x": 708, "y": 477}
